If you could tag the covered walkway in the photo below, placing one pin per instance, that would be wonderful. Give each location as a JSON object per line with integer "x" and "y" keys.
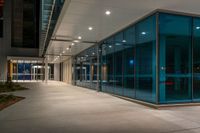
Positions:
{"x": 58, "y": 107}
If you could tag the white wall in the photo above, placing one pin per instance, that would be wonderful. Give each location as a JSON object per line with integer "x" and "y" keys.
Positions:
{"x": 67, "y": 71}
{"x": 57, "y": 72}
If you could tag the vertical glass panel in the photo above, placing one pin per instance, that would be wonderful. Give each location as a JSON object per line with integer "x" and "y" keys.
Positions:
{"x": 86, "y": 68}
{"x": 27, "y": 70}
{"x": 25, "y": 25}
{"x": 146, "y": 59}
{"x": 118, "y": 63}
{"x": 21, "y": 70}
{"x": 107, "y": 68}
{"x": 175, "y": 58}
{"x": 129, "y": 62}
{"x": 196, "y": 59}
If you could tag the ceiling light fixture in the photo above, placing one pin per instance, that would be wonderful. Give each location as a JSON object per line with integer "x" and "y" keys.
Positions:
{"x": 67, "y": 48}
{"x": 110, "y": 46}
{"x": 76, "y": 41}
{"x": 79, "y": 37}
{"x": 90, "y": 28}
{"x": 72, "y": 44}
{"x": 108, "y": 12}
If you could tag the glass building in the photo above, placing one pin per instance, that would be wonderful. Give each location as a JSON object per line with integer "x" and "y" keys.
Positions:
{"x": 25, "y": 23}
{"x": 155, "y": 60}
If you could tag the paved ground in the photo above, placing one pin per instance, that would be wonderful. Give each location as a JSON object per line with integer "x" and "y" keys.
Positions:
{"x": 60, "y": 108}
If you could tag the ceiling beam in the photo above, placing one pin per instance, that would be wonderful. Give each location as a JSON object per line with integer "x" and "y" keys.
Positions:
{"x": 67, "y": 40}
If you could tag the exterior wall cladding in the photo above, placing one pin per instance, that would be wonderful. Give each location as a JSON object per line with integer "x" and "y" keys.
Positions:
{"x": 155, "y": 60}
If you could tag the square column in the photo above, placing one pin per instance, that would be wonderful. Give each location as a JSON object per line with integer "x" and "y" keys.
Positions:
{"x": 46, "y": 70}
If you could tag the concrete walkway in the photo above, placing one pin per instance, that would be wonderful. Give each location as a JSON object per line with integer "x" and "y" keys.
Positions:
{"x": 60, "y": 108}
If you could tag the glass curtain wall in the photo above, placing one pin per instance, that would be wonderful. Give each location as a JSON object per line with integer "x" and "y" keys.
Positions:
{"x": 179, "y": 43}
{"x": 166, "y": 45}
{"x": 129, "y": 62}
{"x": 25, "y": 26}
{"x": 29, "y": 70}
{"x": 196, "y": 59}
{"x": 86, "y": 68}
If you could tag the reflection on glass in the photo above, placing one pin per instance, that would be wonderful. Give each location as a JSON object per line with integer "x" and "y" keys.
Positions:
{"x": 86, "y": 68}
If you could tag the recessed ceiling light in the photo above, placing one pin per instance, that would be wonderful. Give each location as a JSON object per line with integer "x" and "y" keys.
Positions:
{"x": 67, "y": 48}
{"x": 79, "y": 37}
{"x": 63, "y": 52}
{"x": 72, "y": 44}
{"x": 93, "y": 53}
{"x": 198, "y": 28}
{"x": 110, "y": 46}
{"x": 108, "y": 12}
{"x": 76, "y": 41}
{"x": 90, "y": 28}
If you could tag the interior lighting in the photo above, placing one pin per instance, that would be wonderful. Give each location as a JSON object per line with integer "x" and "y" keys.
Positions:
{"x": 198, "y": 28}
{"x": 124, "y": 41}
{"x": 143, "y": 33}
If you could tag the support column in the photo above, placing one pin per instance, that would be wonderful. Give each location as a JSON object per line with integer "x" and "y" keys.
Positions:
{"x": 98, "y": 69}
{"x": 74, "y": 71}
{"x": 162, "y": 69}
{"x": 46, "y": 70}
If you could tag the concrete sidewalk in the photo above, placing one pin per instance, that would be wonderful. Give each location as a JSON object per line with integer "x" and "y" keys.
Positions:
{"x": 60, "y": 108}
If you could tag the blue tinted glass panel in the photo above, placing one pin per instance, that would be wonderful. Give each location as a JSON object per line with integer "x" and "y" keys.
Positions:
{"x": 107, "y": 68}
{"x": 129, "y": 62}
{"x": 146, "y": 59}
{"x": 175, "y": 58}
{"x": 118, "y": 63}
{"x": 21, "y": 71}
{"x": 27, "y": 71}
{"x": 196, "y": 59}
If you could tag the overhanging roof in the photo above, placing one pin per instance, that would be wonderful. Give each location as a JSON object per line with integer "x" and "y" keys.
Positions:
{"x": 78, "y": 15}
